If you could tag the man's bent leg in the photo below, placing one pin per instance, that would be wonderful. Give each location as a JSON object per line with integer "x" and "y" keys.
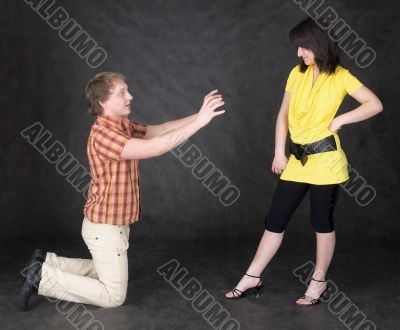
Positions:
{"x": 77, "y": 266}
{"x": 108, "y": 245}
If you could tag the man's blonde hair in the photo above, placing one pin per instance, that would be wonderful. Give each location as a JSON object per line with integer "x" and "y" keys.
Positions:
{"x": 98, "y": 89}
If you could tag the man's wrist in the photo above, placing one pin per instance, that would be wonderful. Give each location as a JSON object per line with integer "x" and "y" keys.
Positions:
{"x": 197, "y": 123}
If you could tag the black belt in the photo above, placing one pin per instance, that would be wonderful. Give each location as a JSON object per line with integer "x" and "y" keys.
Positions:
{"x": 300, "y": 151}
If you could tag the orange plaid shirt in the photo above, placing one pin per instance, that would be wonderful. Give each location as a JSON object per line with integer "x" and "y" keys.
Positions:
{"x": 113, "y": 196}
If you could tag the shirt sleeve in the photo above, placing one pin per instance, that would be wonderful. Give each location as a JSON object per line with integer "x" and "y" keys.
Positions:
{"x": 291, "y": 79}
{"x": 349, "y": 82}
{"x": 109, "y": 143}
{"x": 139, "y": 130}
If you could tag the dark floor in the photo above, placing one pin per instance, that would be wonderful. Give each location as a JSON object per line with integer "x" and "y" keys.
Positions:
{"x": 366, "y": 273}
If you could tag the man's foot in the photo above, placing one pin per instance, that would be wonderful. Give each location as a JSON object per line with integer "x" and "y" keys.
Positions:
{"x": 32, "y": 274}
{"x": 247, "y": 282}
{"x": 315, "y": 289}
{"x": 37, "y": 255}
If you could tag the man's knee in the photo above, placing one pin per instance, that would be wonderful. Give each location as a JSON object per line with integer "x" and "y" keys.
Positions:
{"x": 116, "y": 301}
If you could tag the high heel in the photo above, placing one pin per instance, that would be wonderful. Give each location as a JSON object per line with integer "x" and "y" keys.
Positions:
{"x": 312, "y": 300}
{"x": 236, "y": 293}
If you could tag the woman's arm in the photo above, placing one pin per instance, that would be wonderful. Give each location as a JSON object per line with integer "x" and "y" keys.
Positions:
{"x": 370, "y": 106}
{"x": 281, "y": 129}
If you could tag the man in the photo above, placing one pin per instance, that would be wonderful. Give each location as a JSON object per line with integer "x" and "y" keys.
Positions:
{"x": 114, "y": 147}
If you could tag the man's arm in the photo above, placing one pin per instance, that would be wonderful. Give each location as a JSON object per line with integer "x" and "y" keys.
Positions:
{"x": 156, "y": 130}
{"x": 159, "y": 145}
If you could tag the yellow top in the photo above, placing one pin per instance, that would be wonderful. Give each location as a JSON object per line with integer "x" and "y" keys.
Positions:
{"x": 311, "y": 111}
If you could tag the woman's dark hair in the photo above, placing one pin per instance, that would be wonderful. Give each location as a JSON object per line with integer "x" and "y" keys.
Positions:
{"x": 308, "y": 34}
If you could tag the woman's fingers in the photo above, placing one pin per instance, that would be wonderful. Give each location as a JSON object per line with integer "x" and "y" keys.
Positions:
{"x": 277, "y": 170}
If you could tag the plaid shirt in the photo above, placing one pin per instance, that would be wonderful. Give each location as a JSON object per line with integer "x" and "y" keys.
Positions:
{"x": 113, "y": 196}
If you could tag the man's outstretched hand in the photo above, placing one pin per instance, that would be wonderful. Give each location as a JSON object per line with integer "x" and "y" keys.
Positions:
{"x": 212, "y": 101}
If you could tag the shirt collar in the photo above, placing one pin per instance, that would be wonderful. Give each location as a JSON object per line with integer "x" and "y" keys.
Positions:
{"x": 116, "y": 122}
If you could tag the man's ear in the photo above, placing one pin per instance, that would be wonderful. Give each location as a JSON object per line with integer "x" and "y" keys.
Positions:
{"x": 102, "y": 104}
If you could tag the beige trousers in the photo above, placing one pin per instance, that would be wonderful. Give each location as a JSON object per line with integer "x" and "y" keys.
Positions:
{"x": 100, "y": 281}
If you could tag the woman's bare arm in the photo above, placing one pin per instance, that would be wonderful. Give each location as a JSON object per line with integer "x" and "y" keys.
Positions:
{"x": 281, "y": 130}
{"x": 370, "y": 106}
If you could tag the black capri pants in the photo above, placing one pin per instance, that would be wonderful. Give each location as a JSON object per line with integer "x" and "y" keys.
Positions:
{"x": 287, "y": 197}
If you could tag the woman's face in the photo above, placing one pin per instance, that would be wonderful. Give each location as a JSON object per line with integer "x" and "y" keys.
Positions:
{"x": 307, "y": 55}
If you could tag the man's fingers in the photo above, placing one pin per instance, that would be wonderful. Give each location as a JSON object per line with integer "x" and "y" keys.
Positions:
{"x": 212, "y": 98}
{"x": 213, "y": 103}
{"x": 217, "y": 113}
{"x": 211, "y": 93}
{"x": 216, "y": 106}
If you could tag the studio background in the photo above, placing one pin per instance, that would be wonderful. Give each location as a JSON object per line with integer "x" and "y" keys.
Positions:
{"x": 173, "y": 53}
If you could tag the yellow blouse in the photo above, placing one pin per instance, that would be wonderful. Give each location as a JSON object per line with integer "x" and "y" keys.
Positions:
{"x": 311, "y": 111}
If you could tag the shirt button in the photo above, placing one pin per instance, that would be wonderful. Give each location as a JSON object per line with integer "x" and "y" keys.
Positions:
{"x": 97, "y": 238}
{"x": 118, "y": 254}
{"x": 120, "y": 232}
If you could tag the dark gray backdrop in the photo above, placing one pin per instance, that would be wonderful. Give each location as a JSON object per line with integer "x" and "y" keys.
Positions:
{"x": 173, "y": 53}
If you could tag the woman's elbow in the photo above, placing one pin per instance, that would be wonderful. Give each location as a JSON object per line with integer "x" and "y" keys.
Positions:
{"x": 376, "y": 106}
{"x": 379, "y": 106}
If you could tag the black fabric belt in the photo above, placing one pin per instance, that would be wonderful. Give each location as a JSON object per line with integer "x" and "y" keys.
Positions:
{"x": 300, "y": 151}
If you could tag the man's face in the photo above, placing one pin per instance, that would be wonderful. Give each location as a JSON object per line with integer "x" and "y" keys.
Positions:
{"x": 119, "y": 101}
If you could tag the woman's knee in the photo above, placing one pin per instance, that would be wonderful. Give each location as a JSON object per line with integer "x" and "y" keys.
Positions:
{"x": 274, "y": 225}
{"x": 326, "y": 226}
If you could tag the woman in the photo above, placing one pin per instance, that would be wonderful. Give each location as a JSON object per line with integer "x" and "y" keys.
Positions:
{"x": 314, "y": 91}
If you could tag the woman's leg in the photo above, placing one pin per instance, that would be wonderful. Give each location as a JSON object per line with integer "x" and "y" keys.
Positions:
{"x": 323, "y": 200}
{"x": 267, "y": 248}
{"x": 287, "y": 197}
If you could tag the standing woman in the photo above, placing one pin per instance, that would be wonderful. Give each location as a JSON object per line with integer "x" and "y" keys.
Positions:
{"x": 314, "y": 91}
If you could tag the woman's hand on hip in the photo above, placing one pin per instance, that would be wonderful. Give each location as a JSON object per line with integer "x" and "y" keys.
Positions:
{"x": 279, "y": 163}
{"x": 335, "y": 125}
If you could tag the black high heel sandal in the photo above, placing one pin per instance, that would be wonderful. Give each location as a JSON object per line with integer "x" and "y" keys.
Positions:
{"x": 312, "y": 300}
{"x": 239, "y": 294}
